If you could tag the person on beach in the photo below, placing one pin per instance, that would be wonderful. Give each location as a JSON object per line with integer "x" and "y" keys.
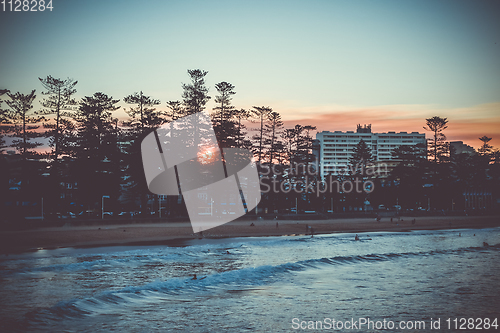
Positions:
{"x": 277, "y": 226}
{"x": 356, "y": 238}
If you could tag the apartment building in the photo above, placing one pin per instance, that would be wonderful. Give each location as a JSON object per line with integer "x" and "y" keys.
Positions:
{"x": 334, "y": 149}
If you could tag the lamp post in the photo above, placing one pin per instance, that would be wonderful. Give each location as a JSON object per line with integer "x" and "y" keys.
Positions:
{"x": 102, "y": 205}
{"x": 159, "y": 206}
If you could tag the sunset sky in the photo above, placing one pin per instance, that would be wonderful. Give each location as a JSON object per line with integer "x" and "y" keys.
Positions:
{"x": 332, "y": 64}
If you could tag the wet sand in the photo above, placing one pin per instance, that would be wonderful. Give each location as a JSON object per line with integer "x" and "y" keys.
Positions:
{"x": 176, "y": 233}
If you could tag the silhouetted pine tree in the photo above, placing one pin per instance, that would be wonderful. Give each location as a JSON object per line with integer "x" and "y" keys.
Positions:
{"x": 261, "y": 113}
{"x": 5, "y": 121}
{"x": 176, "y": 110}
{"x": 58, "y": 102}
{"x": 438, "y": 149}
{"x": 59, "y": 106}
{"x": 406, "y": 179}
{"x": 222, "y": 118}
{"x": 195, "y": 94}
{"x": 23, "y": 129}
{"x": 143, "y": 119}
{"x": 359, "y": 160}
{"x": 97, "y": 166}
{"x": 24, "y": 170}
{"x": 195, "y": 97}
{"x": 274, "y": 128}
{"x": 242, "y": 115}
{"x": 485, "y": 148}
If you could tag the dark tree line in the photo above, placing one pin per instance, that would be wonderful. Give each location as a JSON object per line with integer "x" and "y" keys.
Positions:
{"x": 443, "y": 180}
{"x": 94, "y": 158}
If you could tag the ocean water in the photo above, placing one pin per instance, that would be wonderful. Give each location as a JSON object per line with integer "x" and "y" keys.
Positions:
{"x": 270, "y": 284}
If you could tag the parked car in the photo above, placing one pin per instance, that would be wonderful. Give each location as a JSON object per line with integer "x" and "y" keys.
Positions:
{"x": 125, "y": 214}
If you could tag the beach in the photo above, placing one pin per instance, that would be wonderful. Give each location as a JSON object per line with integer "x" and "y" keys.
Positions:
{"x": 176, "y": 232}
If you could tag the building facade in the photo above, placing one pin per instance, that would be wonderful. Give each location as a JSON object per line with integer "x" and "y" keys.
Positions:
{"x": 333, "y": 149}
{"x": 461, "y": 148}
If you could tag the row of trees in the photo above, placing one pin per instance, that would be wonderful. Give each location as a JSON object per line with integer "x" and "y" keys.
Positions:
{"x": 99, "y": 154}
{"x": 435, "y": 176}
{"x": 430, "y": 176}
{"x": 63, "y": 120}
{"x": 94, "y": 155}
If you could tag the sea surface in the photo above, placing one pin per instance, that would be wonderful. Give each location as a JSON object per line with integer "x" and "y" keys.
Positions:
{"x": 267, "y": 284}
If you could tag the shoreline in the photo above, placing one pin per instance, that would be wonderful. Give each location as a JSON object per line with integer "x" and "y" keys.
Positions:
{"x": 179, "y": 233}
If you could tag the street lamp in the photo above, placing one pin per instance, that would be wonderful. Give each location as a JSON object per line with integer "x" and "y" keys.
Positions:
{"x": 211, "y": 207}
{"x": 159, "y": 205}
{"x": 102, "y": 205}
